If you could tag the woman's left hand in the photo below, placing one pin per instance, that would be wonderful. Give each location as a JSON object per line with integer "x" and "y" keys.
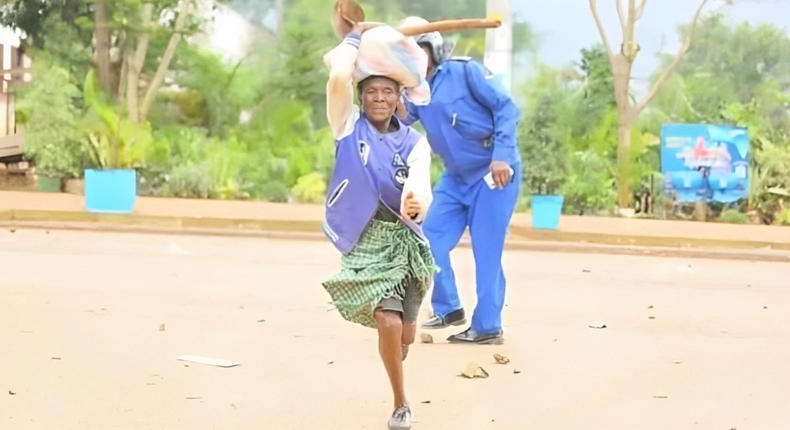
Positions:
{"x": 411, "y": 206}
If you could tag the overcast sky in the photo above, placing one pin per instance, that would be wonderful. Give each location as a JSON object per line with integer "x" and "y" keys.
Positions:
{"x": 567, "y": 26}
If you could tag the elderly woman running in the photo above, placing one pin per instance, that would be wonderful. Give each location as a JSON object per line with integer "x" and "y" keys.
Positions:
{"x": 378, "y": 196}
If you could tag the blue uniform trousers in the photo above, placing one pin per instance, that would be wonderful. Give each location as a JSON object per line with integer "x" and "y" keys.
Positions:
{"x": 487, "y": 213}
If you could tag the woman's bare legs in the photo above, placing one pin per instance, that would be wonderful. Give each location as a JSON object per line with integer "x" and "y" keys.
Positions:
{"x": 390, "y": 327}
{"x": 407, "y": 338}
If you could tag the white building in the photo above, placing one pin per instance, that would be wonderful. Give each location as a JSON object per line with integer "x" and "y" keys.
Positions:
{"x": 11, "y": 142}
{"x": 228, "y": 32}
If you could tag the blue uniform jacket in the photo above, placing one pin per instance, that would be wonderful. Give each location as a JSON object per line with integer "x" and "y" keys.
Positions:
{"x": 470, "y": 121}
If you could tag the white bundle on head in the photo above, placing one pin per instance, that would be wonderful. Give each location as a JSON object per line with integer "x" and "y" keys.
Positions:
{"x": 384, "y": 51}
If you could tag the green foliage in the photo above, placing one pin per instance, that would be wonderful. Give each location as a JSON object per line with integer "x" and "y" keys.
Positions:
{"x": 598, "y": 79}
{"x": 770, "y": 181}
{"x": 544, "y": 150}
{"x": 733, "y": 216}
{"x": 286, "y": 130}
{"x": 34, "y": 19}
{"x": 783, "y": 218}
{"x": 728, "y": 65}
{"x": 738, "y": 57}
{"x": 310, "y": 188}
{"x": 225, "y": 163}
{"x": 301, "y": 76}
{"x": 47, "y": 109}
{"x": 67, "y": 46}
{"x": 215, "y": 92}
{"x": 275, "y": 192}
{"x": 114, "y": 140}
{"x": 588, "y": 188}
{"x": 189, "y": 181}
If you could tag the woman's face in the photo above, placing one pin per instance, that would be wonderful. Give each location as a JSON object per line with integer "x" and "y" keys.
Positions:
{"x": 379, "y": 98}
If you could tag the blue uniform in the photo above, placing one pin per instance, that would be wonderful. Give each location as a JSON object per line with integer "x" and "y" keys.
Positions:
{"x": 470, "y": 122}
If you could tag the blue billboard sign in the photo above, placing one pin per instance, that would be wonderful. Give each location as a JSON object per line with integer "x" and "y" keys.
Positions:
{"x": 702, "y": 162}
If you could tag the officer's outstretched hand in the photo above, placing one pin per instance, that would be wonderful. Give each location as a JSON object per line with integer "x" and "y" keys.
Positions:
{"x": 500, "y": 171}
{"x": 411, "y": 206}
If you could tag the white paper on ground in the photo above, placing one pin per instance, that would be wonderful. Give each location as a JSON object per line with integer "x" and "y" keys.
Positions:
{"x": 209, "y": 361}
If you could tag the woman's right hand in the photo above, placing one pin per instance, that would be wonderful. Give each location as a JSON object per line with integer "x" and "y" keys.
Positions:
{"x": 357, "y": 27}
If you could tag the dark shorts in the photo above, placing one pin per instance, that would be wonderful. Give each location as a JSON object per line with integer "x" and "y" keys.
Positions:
{"x": 409, "y": 306}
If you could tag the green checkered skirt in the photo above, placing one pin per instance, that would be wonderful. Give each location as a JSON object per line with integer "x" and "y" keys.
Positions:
{"x": 387, "y": 256}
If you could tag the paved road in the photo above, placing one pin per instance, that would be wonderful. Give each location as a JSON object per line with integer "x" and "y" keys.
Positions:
{"x": 81, "y": 346}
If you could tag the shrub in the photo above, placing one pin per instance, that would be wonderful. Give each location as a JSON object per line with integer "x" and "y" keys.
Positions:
{"x": 310, "y": 188}
{"x": 732, "y": 216}
{"x": 191, "y": 181}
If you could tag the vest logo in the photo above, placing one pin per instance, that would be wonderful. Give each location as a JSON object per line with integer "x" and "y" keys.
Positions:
{"x": 397, "y": 161}
{"x": 364, "y": 152}
{"x": 401, "y": 175}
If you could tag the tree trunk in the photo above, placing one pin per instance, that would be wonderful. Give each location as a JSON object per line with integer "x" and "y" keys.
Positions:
{"x": 621, "y": 71}
{"x": 102, "y": 54}
{"x": 624, "y": 196}
{"x": 136, "y": 64}
{"x": 621, "y": 74}
{"x": 159, "y": 77}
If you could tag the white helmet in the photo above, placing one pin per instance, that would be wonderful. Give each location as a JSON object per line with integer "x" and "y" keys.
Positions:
{"x": 440, "y": 49}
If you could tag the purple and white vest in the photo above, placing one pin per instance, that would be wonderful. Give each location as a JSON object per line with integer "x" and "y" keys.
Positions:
{"x": 370, "y": 169}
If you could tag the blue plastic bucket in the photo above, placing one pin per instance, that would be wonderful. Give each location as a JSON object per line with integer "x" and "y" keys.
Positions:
{"x": 546, "y": 212}
{"x": 111, "y": 190}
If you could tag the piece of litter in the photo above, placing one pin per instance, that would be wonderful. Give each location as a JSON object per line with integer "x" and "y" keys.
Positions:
{"x": 650, "y": 307}
{"x": 56, "y": 358}
{"x": 193, "y": 398}
{"x": 501, "y": 359}
{"x": 677, "y": 362}
{"x": 261, "y": 321}
{"x": 425, "y": 402}
{"x": 208, "y": 361}
{"x": 12, "y": 393}
{"x": 597, "y": 325}
{"x": 331, "y": 362}
{"x": 586, "y": 271}
{"x": 12, "y": 230}
{"x": 473, "y": 370}
{"x": 426, "y": 338}
{"x": 162, "y": 327}
{"x": 652, "y": 318}
{"x": 765, "y": 307}
{"x": 660, "y": 397}
{"x": 516, "y": 372}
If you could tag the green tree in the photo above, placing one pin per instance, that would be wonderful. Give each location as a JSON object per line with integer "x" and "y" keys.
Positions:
{"x": 629, "y": 13}
{"x": 34, "y": 17}
{"x": 732, "y": 64}
{"x": 46, "y": 108}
